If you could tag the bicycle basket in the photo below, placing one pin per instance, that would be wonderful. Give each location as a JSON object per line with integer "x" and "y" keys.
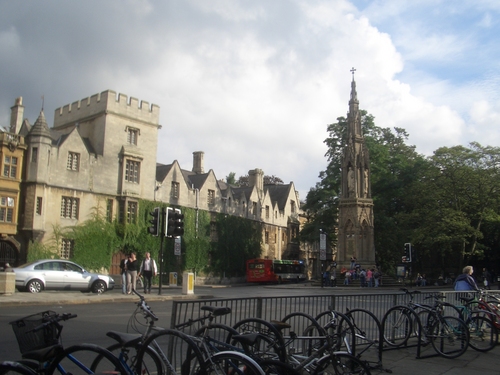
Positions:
{"x": 40, "y": 339}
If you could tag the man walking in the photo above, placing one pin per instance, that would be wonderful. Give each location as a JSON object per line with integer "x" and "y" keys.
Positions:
{"x": 148, "y": 270}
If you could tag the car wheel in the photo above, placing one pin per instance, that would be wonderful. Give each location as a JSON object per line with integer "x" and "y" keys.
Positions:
{"x": 99, "y": 287}
{"x": 34, "y": 286}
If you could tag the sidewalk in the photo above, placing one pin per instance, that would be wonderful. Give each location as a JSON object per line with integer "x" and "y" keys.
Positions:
{"x": 115, "y": 295}
{"x": 401, "y": 361}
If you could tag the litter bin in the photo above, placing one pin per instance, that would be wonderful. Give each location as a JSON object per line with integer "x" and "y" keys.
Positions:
{"x": 7, "y": 282}
{"x": 173, "y": 279}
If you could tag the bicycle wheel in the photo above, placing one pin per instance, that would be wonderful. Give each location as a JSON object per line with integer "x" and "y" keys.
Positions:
{"x": 272, "y": 367}
{"x": 426, "y": 318}
{"x": 78, "y": 359}
{"x": 220, "y": 335}
{"x": 267, "y": 329}
{"x": 231, "y": 363}
{"x": 151, "y": 362}
{"x": 311, "y": 335}
{"x": 341, "y": 363}
{"x": 367, "y": 331}
{"x": 449, "y": 336}
{"x": 340, "y": 327}
{"x": 178, "y": 352}
{"x": 397, "y": 326}
{"x": 483, "y": 333}
{"x": 15, "y": 368}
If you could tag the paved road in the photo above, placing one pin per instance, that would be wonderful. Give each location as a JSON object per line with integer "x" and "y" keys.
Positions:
{"x": 112, "y": 310}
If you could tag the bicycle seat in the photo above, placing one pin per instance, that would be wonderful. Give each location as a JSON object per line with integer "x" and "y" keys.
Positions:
{"x": 125, "y": 338}
{"x": 246, "y": 338}
{"x": 280, "y": 325}
{"x": 217, "y": 311}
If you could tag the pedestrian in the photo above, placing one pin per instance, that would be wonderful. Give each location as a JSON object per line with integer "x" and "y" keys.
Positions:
{"x": 353, "y": 262}
{"x": 465, "y": 281}
{"x": 424, "y": 280}
{"x": 362, "y": 278}
{"x": 369, "y": 278}
{"x": 123, "y": 273}
{"x": 131, "y": 273}
{"x": 377, "y": 275}
{"x": 347, "y": 278}
{"x": 333, "y": 276}
{"x": 418, "y": 281}
{"x": 148, "y": 270}
{"x": 486, "y": 278}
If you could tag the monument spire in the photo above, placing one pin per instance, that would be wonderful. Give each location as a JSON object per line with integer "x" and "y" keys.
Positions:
{"x": 355, "y": 238}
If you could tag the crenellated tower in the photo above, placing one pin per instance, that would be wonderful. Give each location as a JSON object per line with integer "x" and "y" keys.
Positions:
{"x": 356, "y": 205}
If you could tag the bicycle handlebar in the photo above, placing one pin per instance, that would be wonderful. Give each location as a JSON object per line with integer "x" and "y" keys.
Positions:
{"x": 53, "y": 320}
{"x": 144, "y": 306}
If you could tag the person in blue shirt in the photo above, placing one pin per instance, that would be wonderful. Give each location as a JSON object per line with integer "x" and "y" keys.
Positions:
{"x": 465, "y": 281}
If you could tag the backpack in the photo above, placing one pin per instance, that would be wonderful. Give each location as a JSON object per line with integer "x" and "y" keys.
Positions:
{"x": 123, "y": 266}
{"x": 376, "y": 275}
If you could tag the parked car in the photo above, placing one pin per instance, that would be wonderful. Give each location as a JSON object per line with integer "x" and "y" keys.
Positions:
{"x": 59, "y": 274}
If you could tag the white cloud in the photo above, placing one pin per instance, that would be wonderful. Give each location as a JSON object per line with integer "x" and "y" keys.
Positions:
{"x": 254, "y": 84}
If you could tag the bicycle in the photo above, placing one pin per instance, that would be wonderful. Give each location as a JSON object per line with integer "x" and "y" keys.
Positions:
{"x": 263, "y": 349}
{"x": 158, "y": 350}
{"x": 40, "y": 344}
{"x": 482, "y": 321}
{"x": 129, "y": 344}
{"x": 448, "y": 335}
{"x": 321, "y": 356}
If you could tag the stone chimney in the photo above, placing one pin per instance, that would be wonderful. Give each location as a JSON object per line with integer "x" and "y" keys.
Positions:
{"x": 256, "y": 178}
{"x": 16, "y": 116}
{"x": 198, "y": 167}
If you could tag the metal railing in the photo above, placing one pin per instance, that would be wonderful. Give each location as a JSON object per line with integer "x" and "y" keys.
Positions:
{"x": 276, "y": 308}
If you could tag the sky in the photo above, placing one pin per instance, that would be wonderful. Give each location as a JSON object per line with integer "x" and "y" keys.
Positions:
{"x": 255, "y": 83}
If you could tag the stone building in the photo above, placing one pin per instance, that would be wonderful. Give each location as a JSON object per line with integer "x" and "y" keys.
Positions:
{"x": 12, "y": 150}
{"x": 275, "y": 206}
{"x": 101, "y": 154}
{"x": 355, "y": 231}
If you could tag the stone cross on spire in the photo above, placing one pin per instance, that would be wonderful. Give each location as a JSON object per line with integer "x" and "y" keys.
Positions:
{"x": 352, "y": 71}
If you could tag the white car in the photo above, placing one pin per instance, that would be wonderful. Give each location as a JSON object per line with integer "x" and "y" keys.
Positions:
{"x": 59, "y": 274}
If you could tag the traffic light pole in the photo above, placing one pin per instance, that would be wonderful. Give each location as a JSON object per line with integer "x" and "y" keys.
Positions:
{"x": 160, "y": 253}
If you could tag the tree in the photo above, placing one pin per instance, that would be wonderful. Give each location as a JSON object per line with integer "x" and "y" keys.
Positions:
{"x": 268, "y": 180}
{"x": 231, "y": 178}
{"x": 466, "y": 189}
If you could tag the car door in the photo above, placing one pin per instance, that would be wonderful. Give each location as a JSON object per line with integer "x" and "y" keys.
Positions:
{"x": 50, "y": 272}
{"x": 74, "y": 277}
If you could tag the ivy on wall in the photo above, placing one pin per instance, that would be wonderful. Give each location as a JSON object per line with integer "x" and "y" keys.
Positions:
{"x": 239, "y": 239}
{"x": 96, "y": 240}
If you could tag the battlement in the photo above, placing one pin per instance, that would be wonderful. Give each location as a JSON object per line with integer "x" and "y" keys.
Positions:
{"x": 107, "y": 102}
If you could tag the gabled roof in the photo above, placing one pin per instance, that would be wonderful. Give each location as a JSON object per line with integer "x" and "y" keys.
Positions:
{"x": 279, "y": 194}
{"x": 242, "y": 192}
{"x": 58, "y": 139}
{"x": 25, "y": 128}
{"x": 197, "y": 180}
{"x": 162, "y": 171}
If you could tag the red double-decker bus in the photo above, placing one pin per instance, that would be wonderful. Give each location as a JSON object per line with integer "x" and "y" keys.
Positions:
{"x": 268, "y": 271}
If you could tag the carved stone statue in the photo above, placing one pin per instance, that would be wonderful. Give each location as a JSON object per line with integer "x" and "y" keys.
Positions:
{"x": 351, "y": 183}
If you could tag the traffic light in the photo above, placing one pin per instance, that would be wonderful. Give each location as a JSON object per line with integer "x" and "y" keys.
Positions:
{"x": 408, "y": 251}
{"x": 175, "y": 223}
{"x": 154, "y": 228}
